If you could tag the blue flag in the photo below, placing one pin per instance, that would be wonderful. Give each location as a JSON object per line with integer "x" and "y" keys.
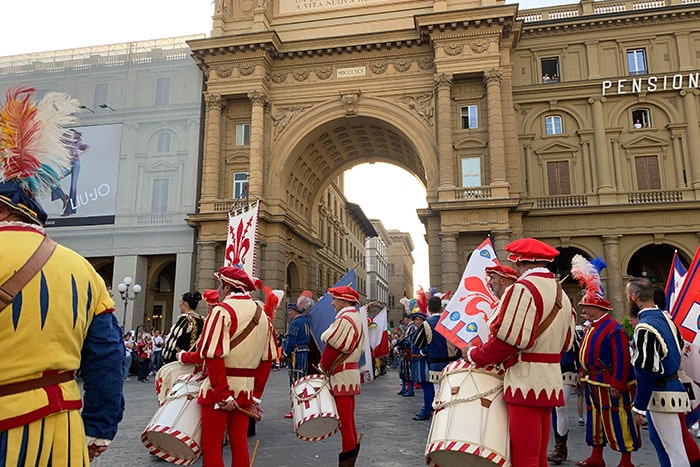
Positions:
{"x": 322, "y": 314}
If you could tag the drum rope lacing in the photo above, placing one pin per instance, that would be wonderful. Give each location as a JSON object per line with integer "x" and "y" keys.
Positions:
{"x": 438, "y": 405}
{"x": 300, "y": 398}
{"x": 173, "y": 395}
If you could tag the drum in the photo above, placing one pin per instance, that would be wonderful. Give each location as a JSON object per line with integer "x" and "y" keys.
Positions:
{"x": 313, "y": 407}
{"x": 470, "y": 423}
{"x": 174, "y": 432}
{"x": 166, "y": 376}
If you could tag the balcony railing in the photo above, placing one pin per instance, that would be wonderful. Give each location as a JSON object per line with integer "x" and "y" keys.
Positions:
{"x": 476, "y": 192}
{"x": 568, "y": 201}
{"x": 601, "y": 7}
{"x": 650, "y": 197}
{"x": 154, "y": 219}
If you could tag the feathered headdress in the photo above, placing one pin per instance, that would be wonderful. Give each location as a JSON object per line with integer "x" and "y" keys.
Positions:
{"x": 272, "y": 299}
{"x": 422, "y": 300}
{"x": 587, "y": 273}
{"x": 33, "y": 148}
{"x": 305, "y": 301}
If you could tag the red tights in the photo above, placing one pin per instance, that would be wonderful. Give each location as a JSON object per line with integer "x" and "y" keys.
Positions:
{"x": 346, "y": 412}
{"x": 214, "y": 423}
{"x": 529, "y": 434}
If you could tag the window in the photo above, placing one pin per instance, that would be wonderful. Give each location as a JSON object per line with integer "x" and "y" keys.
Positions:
{"x": 552, "y": 125}
{"x": 469, "y": 117}
{"x": 163, "y": 91}
{"x": 558, "y": 178}
{"x": 471, "y": 171}
{"x": 647, "y": 168}
{"x": 159, "y": 197}
{"x": 240, "y": 185}
{"x": 101, "y": 94}
{"x": 637, "y": 62}
{"x": 163, "y": 142}
{"x": 550, "y": 70}
{"x": 641, "y": 118}
{"x": 242, "y": 134}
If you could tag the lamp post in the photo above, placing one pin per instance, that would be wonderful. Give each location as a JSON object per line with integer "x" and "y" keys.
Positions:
{"x": 123, "y": 289}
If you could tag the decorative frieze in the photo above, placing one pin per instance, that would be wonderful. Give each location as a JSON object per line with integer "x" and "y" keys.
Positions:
{"x": 479, "y": 46}
{"x": 301, "y": 75}
{"x": 323, "y": 73}
{"x": 402, "y": 65}
{"x": 224, "y": 71}
{"x": 349, "y": 100}
{"x": 426, "y": 63}
{"x": 246, "y": 69}
{"x": 378, "y": 67}
{"x": 278, "y": 77}
{"x": 453, "y": 49}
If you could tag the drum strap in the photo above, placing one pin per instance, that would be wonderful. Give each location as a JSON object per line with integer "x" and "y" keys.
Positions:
{"x": 345, "y": 356}
{"x": 11, "y": 287}
{"x": 547, "y": 321}
{"x": 249, "y": 328}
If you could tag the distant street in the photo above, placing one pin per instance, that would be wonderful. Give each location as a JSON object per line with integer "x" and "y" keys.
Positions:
{"x": 391, "y": 437}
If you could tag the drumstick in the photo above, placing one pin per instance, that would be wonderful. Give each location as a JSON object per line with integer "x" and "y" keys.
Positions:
{"x": 255, "y": 451}
{"x": 249, "y": 413}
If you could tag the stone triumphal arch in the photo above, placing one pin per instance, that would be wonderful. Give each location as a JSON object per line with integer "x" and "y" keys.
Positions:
{"x": 325, "y": 86}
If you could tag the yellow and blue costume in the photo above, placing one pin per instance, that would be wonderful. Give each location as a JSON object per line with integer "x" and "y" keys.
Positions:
{"x": 60, "y": 322}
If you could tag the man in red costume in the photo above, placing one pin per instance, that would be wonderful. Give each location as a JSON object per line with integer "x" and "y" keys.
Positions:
{"x": 344, "y": 341}
{"x": 533, "y": 326}
{"x": 237, "y": 346}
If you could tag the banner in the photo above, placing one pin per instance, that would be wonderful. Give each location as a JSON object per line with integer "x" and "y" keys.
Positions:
{"x": 322, "y": 314}
{"x": 686, "y": 306}
{"x": 366, "y": 367}
{"x": 240, "y": 238}
{"x": 465, "y": 319}
{"x": 675, "y": 281}
{"x": 379, "y": 335}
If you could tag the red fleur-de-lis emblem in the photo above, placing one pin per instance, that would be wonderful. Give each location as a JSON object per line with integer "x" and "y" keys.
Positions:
{"x": 478, "y": 296}
{"x": 239, "y": 246}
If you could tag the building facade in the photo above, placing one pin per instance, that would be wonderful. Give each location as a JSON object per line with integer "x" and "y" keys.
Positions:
{"x": 378, "y": 264}
{"x": 401, "y": 264}
{"x": 518, "y": 123}
{"x": 137, "y": 179}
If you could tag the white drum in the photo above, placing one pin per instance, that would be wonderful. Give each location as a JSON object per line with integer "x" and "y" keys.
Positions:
{"x": 470, "y": 423}
{"x": 166, "y": 377}
{"x": 174, "y": 433}
{"x": 313, "y": 406}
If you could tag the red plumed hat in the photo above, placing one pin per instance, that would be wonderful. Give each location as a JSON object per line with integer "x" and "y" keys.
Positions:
{"x": 587, "y": 273}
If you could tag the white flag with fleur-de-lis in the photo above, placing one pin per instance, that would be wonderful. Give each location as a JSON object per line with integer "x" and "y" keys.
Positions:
{"x": 240, "y": 238}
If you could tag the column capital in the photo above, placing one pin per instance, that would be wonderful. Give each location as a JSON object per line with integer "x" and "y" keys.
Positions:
{"x": 493, "y": 76}
{"x": 611, "y": 239}
{"x": 258, "y": 98}
{"x": 215, "y": 101}
{"x": 447, "y": 235}
{"x": 689, "y": 92}
{"x": 601, "y": 99}
{"x": 443, "y": 80}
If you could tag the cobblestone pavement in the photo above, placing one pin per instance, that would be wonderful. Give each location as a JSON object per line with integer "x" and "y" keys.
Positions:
{"x": 391, "y": 437}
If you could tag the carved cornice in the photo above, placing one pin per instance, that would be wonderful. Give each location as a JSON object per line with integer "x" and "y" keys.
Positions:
{"x": 323, "y": 73}
{"x": 246, "y": 69}
{"x": 402, "y": 65}
{"x": 453, "y": 49}
{"x": 223, "y": 71}
{"x": 378, "y": 67}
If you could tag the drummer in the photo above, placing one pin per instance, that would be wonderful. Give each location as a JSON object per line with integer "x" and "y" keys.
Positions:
{"x": 534, "y": 324}
{"x": 237, "y": 355}
{"x": 344, "y": 341}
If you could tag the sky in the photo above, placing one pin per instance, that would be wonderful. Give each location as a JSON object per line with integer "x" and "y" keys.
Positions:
{"x": 48, "y": 25}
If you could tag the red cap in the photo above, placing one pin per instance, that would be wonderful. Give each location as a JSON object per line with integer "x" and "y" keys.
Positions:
{"x": 344, "y": 293}
{"x": 503, "y": 271}
{"x": 529, "y": 249}
{"x": 595, "y": 300}
{"x": 211, "y": 297}
{"x": 238, "y": 278}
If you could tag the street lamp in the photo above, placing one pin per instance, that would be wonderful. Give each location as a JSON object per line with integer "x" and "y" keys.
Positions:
{"x": 123, "y": 289}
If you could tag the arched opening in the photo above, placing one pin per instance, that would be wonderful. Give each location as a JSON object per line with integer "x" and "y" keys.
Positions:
{"x": 654, "y": 263}
{"x": 561, "y": 267}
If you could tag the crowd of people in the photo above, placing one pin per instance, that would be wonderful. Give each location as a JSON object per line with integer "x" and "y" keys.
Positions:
{"x": 627, "y": 383}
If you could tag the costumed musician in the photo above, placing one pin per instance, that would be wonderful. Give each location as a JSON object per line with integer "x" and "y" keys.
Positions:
{"x": 533, "y": 325}
{"x": 186, "y": 330}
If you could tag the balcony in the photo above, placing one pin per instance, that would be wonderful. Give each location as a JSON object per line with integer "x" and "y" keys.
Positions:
{"x": 602, "y": 7}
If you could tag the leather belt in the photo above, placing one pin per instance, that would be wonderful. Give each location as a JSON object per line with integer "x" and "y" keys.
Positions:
{"x": 536, "y": 357}
{"x": 36, "y": 383}
{"x": 346, "y": 366}
{"x": 595, "y": 372}
{"x": 240, "y": 372}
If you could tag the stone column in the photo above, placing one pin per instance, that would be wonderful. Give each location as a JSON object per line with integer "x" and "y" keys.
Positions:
{"x": 614, "y": 288}
{"x": 450, "y": 272}
{"x": 497, "y": 161}
{"x": 529, "y": 171}
{"x": 691, "y": 116}
{"x": 211, "y": 165}
{"x": 586, "y": 156}
{"x": 617, "y": 166}
{"x": 207, "y": 265}
{"x": 446, "y": 158}
{"x": 678, "y": 160}
{"x": 602, "y": 158}
{"x": 258, "y": 100}
{"x": 500, "y": 240}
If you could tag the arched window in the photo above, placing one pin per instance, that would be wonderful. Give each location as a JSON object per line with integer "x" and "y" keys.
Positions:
{"x": 552, "y": 125}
